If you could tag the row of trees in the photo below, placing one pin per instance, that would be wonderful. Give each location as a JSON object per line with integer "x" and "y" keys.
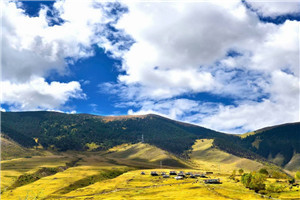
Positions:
{"x": 256, "y": 180}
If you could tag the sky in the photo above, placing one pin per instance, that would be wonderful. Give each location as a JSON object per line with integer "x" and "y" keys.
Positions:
{"x": 231, "y": 66}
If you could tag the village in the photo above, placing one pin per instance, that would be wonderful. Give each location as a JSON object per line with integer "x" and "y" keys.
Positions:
{"x": 185, "y": 175}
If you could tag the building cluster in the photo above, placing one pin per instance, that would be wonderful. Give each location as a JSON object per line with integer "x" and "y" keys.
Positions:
{"x": 182, "y": 175}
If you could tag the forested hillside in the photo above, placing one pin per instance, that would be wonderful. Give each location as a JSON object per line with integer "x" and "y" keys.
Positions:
{"x": 63, "y": 132}
{"x": 74, "y": 131}
{"x": 281, "y": 141}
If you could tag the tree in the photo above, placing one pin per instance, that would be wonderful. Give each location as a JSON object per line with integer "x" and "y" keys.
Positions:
{"x": 254, "y": 181}
{"x": 257, "y": 182}
{"x": 241, "y": 171}
{"x": 264, "y": 171}
{"x": 246, "y": 179}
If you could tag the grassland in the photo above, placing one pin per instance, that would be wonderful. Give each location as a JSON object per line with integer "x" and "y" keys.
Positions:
{"x": 207, "y": 157}
{"x": 116, "y": 174}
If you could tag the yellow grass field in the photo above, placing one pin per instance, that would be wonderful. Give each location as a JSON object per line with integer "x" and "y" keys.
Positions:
{"x": 116, "y": 174}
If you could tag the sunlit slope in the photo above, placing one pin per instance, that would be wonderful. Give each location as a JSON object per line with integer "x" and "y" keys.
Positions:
{"x": 145, "y": 153}
{"x": 10, "y": 149}
{"x": 294, "y": 164}
{"x": 207, "y": 157}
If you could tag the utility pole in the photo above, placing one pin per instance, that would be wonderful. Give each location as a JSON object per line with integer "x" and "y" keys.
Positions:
{"x": 142, "y": 138}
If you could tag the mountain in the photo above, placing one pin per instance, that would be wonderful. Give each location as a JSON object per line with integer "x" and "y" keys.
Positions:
{"x": 60, "y": 131}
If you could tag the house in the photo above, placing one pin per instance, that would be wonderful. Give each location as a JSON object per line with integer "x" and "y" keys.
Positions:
{"x": 181, "y": 174}
{"x": 178, "y": 177}
{"x": 166, "y": 176}
{"x": 212, "y": 181}
{"x": 192, "y": 176}
{"x": 202, "y": 176}
{"x": 154, "y": 173}
{"x": 173, "y": 173}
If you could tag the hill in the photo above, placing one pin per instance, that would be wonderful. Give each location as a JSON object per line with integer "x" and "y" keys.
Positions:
{"x": 208, "y": 157}
{"x": 84, "y": 132}
{"x": 76, "y": 131}
{"x": 279, "y": 144}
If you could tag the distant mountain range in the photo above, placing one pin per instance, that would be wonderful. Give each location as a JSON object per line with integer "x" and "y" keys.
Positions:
{"x": 59, "y": 131}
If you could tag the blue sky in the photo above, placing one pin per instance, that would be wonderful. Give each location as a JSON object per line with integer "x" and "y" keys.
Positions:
{"x": 231, "y": 67}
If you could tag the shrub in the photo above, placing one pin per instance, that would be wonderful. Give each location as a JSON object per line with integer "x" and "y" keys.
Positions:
{"x": 275, "y": 187}
{"x": 278, "y": 175}
{"x": 291, "y": 181}
{"x": 264, "y": 171}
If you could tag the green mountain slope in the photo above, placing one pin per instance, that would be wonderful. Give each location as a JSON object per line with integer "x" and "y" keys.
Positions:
{"x": 74, "y": 131}
{"x": 60, "y": 131}
{"x": 279, "y": 144}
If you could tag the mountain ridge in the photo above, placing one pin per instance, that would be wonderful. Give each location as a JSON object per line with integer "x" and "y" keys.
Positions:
{"x": 63, "y": 132}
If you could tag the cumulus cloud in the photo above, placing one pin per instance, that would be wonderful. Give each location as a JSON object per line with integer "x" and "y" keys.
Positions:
{"x": 275, "y": 8}
{"x": 178, "y": 45}
{"x": 33, "y": 48}
{"x": 37, "y": 94}
{"x": 184, "y": 48}
{"x": 281, "y": 107}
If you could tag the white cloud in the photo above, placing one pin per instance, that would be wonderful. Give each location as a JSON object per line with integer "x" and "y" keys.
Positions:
{"x": 282, "y": 107}
{"x": 37, "y": 94}
{"x": 280, "y": 50}
{"x": 181, "y": 48}
{"x": 274, "y": 8}
{"x": 178, "y": 44}
{"x": 33, "y": 48}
